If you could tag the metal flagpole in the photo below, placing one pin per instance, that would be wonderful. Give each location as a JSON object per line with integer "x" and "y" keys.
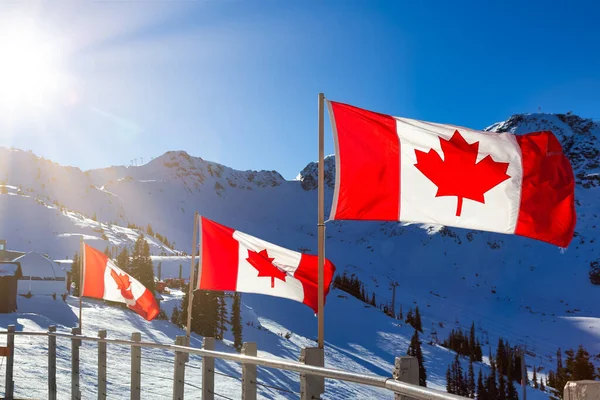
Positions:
{"x": 192, "y": 283}
{"x": 81, "y": 272}
{"x": 321, "y": 224}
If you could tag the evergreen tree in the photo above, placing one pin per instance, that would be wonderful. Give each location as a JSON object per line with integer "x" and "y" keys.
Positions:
{"x": 471, "y": 380}
{"x": 501, "y": 386}
{"x": 373, "y": 301}
{"x": 472, "y": 343}
{"x": 409, "y": 317}
{"x": 236, "y": 322}
{"x": 222, "y": 315}
{"x": 76, "y": 273}
{"x": 141, "y": 264}
{"x": 501, "y": 358}
{"x": 542, "y": 386}
{"x": 175, "y": 316}
{"x": 417, "y": 325}
{"x": 481, "y": 393}
{"x": 450, "y": 384}
{"x": 491, "y": 388}
{"x": 511, "y": 392}
{"x": 535, "y": 381}
{"x": 414, "y": 350}
{"x": 400, "y": 315}
{"x": 583, "y": 368}
{"x": 107, "y": 251}
{"x": 205, "y": 315}
{"x": 123, "y": 261}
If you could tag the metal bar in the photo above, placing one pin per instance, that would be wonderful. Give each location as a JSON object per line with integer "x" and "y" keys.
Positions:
{"x": 136, "y": 366}
{"x": 52, "y": 364}
{"x": 329, "y": 373}
{"x": 9, "y": 385}
{"x": 191, "y": 285}
{"x": 75, "y": 343}
{"x": 102, "y": 366}
{"x": 208, "y": 368}
{"x": 321, "y": 223}
{"x": 249, "y": 373}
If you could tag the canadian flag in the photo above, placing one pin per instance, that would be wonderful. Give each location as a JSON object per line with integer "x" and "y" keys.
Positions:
{"x": 102, "y": 279}
{"x": 391, "y": 168}
{"x": 235, "y": 261}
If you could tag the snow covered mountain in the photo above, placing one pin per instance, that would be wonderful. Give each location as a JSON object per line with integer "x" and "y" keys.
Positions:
{"x": 512, "y": 287}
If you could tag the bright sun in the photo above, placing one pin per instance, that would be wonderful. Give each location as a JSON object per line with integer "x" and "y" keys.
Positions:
{"x": 29, "y": 69}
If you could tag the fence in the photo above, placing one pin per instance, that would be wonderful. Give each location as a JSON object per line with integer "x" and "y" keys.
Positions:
{"x": 403, "y": 384}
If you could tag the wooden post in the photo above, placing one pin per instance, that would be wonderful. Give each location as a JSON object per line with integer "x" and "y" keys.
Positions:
{"x": 249, "y": 373}
{"x": 51, "y": 363}
{"x": 9, "y": 385}
{"x": 136, "y": 366}
{"x": 192, "y": 283}
{"x": 208, "y": 371}
{"x": 102, "y": 365}
{"x": 75, "y": 343}
{"x": 321, "y": 222}
{"x": 311, "y": 387}
{"x": 179, "y": 370}
{"x": 406, "y": 370}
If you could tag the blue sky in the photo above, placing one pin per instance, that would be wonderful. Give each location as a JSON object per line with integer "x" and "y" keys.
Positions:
{"x": 237, "y": 81}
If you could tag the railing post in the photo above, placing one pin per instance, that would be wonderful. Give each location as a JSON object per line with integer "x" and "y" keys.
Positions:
{"x": 249, "y": 373}
{"x": 136, "y": 366}
{"x": 9, "y": 385}
{"x": 406, "y": 369}
{"x": 102, "y": 365}
{"x": 51, "y": 363}
{"x": 179, "y": 372}
{"x": 208, "y": 371}
{"x": 75, "y": 343}
{"x": 311, "y": 387}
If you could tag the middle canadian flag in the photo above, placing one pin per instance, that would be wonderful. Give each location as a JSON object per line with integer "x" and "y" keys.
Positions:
{"x": 235, "y": 261}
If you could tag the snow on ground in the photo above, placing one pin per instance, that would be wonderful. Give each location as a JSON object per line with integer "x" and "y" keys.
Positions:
{"x": 364, "y": 344}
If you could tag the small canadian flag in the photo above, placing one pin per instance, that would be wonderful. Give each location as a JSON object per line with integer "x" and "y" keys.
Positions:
{"x": 102, "y": 279}
{"x": 235, "y": 261}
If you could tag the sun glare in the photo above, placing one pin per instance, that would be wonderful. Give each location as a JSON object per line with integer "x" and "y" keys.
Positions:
{"x": 29, "y": 69}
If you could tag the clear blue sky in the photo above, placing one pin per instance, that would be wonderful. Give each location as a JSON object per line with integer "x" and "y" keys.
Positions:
{"x": 237, "y": 81}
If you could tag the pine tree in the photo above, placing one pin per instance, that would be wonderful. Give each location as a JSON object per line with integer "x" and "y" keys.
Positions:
{"x": 535, "y": 381}
{"x": 582, "y": 369}
{"x": 409, "y": 317}
{"x": 417, "y": 325}
{"x": 400, "y": 315}
{"x": 481, "y": 393}
{"x": 175, "y": 316}
{"x": 511, "y": 392}
{"x": 501, "y": 386}
{"x": 141, "y": 264}
{"x": 450, "y": 384}
{"x": 542, "y": 386}
{"x": 456, "y": 380}
{"x": 491, "y": 389}
{"x": 373, "y": 301}
{"x": 222, "y": 315}
{"x": 471, "y": 380}
{"x": 236, "y": 322}
{"x": 414, "y": 350}
{"x": 472, "y": 343}
{"x": 123, "y": 260}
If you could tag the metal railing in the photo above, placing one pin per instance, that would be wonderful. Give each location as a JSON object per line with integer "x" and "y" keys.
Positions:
{"x": 403, "y": 383}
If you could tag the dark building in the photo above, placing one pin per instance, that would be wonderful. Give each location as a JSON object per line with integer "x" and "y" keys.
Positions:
{"x": 10, "y": 272}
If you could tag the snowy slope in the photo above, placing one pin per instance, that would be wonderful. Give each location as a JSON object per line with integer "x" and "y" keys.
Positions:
{"x": 516, "y": 288}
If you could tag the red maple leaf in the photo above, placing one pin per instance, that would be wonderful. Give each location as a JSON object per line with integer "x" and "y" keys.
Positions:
{"x": 123, "y": 284}
{"x": 264, "y": 265}
{"x": 458, "y": 174}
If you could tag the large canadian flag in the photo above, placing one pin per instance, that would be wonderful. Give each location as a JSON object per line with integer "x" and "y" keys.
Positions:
{"x": 102, "y": 279}
{"x": 391, "y": 168}
{"x": 235, "y": 261}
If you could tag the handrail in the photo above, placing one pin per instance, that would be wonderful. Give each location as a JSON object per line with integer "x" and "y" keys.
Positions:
{"x": 331, "y": 373}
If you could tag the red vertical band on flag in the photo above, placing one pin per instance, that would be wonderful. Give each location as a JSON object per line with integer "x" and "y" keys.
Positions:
{"x": 219, "y": 257}
{"x": 93, "y": 278}
{"x": 547, "y": 209}
{"x": 146, "y": 306}
{"x": 368, "y": 164}
{"x": 308, "y": 274}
